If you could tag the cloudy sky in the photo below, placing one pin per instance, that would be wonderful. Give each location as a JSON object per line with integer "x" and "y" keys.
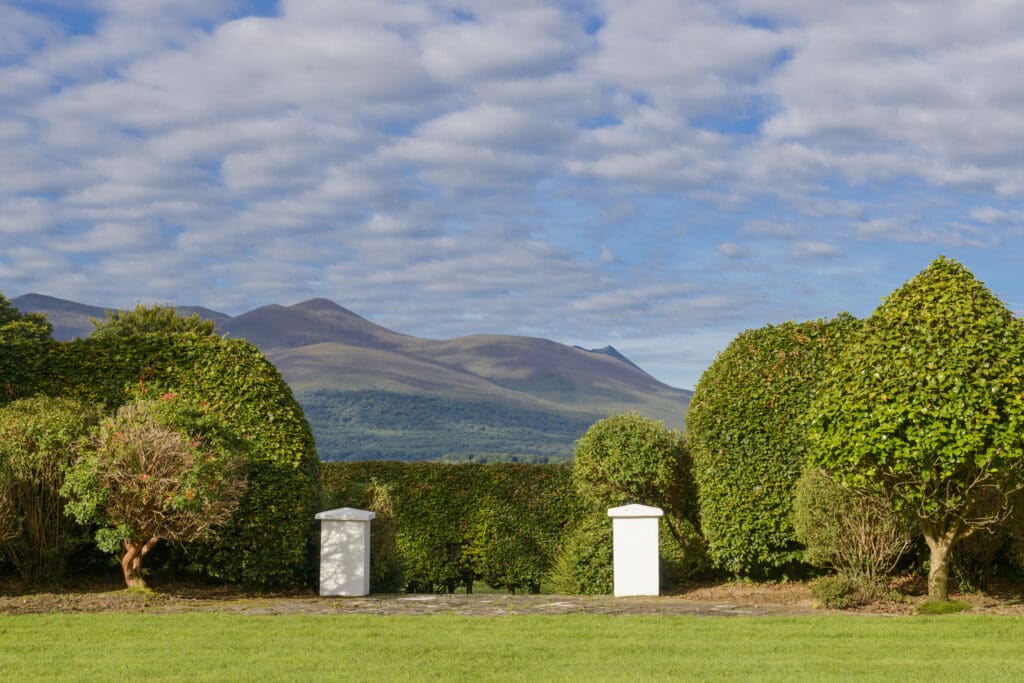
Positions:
{"x": 653, "y": 174}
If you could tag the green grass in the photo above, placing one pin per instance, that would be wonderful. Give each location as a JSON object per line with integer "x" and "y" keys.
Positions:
{"x": 942, "y": 607}
{"x": 222, "y": 646}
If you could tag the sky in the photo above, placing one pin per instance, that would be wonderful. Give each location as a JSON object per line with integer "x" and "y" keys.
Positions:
{"x": 658, "y": 175}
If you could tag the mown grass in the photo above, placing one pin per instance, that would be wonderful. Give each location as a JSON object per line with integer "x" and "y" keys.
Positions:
{"x": 221, "y": 646}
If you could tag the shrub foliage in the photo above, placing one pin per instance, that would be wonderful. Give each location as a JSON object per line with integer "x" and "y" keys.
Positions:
{"x": 457, "y": 524}
{"x": 927, "y": 405}
{"x": 855, "y": 532}
{"x": 39, "y": 439}
{"x": 267, "y": 540}
{"x": 156, "y": 470}
{"x": 748, "y": 443}
{"x": 631, "y": 459}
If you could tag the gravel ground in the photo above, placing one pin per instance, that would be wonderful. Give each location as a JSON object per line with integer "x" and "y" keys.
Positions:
{"x": 729, "y": 599}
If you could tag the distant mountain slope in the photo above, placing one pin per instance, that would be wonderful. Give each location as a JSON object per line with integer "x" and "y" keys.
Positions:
{"x": 371, "y": 392}
{"x": 69, "y": 319}
{"x": 310, "y": 322}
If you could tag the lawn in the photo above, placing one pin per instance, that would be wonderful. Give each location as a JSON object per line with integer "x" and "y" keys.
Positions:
{"x": 219, "y": 646}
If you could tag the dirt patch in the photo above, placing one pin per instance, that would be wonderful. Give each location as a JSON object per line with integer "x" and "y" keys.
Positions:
{"x": 724, "y": 599}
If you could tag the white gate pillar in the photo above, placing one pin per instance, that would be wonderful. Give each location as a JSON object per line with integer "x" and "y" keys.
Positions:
{"x": 345, "y": 551}
{"x": 635, "y": 549}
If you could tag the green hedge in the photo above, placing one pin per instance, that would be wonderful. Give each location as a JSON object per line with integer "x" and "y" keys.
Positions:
{"x": 456, "y": 524}
{"x": 268, "y": 541}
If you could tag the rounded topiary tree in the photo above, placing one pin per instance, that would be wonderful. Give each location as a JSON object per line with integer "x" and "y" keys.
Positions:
{"x": 748, "y": 444}
{"x": 926, "y": 404}
{"x": 631, "y": 459}
{"x": 268, "y": 540}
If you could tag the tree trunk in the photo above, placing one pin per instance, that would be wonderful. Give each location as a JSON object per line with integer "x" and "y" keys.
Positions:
{"x": 131, "y": 562}
{"x": 938, "y": 565}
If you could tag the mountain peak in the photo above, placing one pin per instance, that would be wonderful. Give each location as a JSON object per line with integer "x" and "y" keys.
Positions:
{"x": 614, "y": 353}
{"x": 321, "y": 306}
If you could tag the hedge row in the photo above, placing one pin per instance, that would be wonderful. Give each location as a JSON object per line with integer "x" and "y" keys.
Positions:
{"x": 456, "y": 524}
{"x": 267, "y": 542}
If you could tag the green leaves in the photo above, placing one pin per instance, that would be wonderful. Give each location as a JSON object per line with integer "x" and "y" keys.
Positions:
{"x": 455, "y": 524}
{"x": 155, "y": 319}
{"x": 949, "y": 358}
{"x": 746, "y": 435}
{"x": 265, "y": 543}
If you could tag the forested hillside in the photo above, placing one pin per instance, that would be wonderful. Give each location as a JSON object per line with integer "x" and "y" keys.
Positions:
{"x": 372, "y": 425}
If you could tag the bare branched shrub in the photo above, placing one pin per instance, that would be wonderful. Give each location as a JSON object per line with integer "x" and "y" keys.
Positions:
{"x": 855, "y": 532}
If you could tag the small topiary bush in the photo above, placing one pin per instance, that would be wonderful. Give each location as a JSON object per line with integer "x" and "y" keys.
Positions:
{"x": 627, "y": 459}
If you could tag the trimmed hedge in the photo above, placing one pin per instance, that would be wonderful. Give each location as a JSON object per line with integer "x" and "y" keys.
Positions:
{"x": 267, "y": 542}
{"x": 747, "y": 442}
{"x": 456, "y": 524}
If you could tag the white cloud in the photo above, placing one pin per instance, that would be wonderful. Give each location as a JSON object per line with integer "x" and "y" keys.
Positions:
{"x": 449, "y": 167}
{"x": 804, "y": 249}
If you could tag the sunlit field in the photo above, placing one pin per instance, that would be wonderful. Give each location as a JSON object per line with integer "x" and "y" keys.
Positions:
{"x": 219, "y": 646}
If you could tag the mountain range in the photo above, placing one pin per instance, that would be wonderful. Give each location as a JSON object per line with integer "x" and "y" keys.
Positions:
{"x": 370, "y": 392}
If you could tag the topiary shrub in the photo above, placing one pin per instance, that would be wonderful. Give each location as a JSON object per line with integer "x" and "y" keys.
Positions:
{"x": 856, "y": 533}
{"x": 745, "y": 433}
{"x": 630, "y": 459}
{"x": 268, "y": 540}
{"x": 840, "y": 592}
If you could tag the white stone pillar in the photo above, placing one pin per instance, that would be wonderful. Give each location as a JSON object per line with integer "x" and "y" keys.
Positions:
{"x": 635, "y": 548}
{"x": 345, "y": 551}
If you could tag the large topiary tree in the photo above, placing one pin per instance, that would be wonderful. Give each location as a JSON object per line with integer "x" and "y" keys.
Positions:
{"x": 927, "y": 405}
{"x": 267, "y": 542}
{"x": 747, "y": 442}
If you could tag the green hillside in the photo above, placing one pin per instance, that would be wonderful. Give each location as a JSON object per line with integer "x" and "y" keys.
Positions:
{"x": 384, "y": 425}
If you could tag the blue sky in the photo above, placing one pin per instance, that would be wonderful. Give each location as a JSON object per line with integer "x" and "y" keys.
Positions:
{"x": 656, "y": 175}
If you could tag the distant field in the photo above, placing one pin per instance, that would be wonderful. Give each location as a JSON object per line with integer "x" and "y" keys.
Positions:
{"x": 219, "y": 646}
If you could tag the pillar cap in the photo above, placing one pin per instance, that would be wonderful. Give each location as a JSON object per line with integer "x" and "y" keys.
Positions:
{"x": 346, "y": 515}
{"x": 635, "y": 510}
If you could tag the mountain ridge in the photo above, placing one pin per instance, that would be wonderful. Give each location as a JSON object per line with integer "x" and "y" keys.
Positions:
{"x": 332, "y": 357}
